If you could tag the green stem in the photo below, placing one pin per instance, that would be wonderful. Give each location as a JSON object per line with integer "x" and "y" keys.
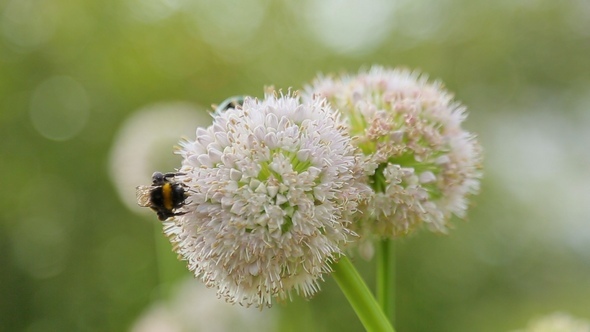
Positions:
{"x": 386, "y": 278}
{"x": 359, "y": 296}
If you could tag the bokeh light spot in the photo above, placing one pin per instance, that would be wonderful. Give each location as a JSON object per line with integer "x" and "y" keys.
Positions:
{"x": 28, "y": 24}
{"x": 59, "y": 108}
{"x": 153, "y": 10}
{"x": 227, "y": 25}
{"x": 350, "y": 27}
{"x": 423, "y": 20}
{"x": 192, "y": 302}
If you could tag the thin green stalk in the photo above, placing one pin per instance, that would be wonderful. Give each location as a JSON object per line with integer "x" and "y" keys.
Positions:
{"x": 386, "y": 278}
{"x": 360, "y": 298}
{"x": 166, "y": 262}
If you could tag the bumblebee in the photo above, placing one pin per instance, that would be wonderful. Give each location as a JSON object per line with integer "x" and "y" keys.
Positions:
{"x": 164, "y": 196}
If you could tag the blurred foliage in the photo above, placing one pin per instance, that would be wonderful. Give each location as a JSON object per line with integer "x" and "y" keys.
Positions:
{"x": 74, "y": 258}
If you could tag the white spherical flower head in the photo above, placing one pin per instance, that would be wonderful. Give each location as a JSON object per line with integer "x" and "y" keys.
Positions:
{"x": 421, "y": 164}
{"x": 272, "y": 185}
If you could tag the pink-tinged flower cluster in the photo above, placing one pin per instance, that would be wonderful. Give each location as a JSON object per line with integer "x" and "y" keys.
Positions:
{"x": 272, "y": 187}
{"x": 421, "y": 165}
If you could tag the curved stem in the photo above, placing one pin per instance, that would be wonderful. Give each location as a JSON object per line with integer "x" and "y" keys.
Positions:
{"x": 360, "y": 298}
{"x": 386, "y": 278}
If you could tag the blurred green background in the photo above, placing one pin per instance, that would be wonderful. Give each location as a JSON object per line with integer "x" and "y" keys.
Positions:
{"x": 94, "y": 94}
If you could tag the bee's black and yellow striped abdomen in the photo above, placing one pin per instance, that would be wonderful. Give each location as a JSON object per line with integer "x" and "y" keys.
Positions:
{"x": 166, "y": 196}
{"x": 161, "y": 196}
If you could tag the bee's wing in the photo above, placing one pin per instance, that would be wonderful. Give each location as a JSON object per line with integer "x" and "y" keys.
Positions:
{"x": 143, "y": 194}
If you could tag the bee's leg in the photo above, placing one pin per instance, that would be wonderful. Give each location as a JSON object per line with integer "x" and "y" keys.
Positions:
{"x": 180, "y": 213}
{"x": 162, "y": 215}
{"x": 172, "y": 174}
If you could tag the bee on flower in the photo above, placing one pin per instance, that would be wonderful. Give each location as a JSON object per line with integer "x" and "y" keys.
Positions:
{"x": 272, "y": 185}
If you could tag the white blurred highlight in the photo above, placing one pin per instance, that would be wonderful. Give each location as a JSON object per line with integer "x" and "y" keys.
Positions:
{"x": 557, "y": 322}
{"x": 153, "y": 10}
{"x": 542, "y": 159}
{"x": 29, "y": 24}
{"x": 228, "y": 26}
{"x": 349, "y": 27}
{"x": 195, "y": 307}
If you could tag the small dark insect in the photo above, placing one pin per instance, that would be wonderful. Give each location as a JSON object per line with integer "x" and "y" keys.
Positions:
{"x": 164, "y": 196}
{"x": 231, "y": 102}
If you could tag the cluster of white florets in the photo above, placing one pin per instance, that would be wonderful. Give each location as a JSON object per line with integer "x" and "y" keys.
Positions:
{"x": 272, "y": 185}
{"x": 420, "y": 163}
{"x": 278, "y": 186}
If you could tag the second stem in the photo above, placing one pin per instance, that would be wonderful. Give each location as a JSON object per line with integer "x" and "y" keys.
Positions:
{"x": 386, "y": 278}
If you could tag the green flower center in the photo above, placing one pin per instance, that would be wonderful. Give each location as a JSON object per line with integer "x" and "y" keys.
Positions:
{"x": 266, "y": 174}
{"x": 378, "y": 183}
